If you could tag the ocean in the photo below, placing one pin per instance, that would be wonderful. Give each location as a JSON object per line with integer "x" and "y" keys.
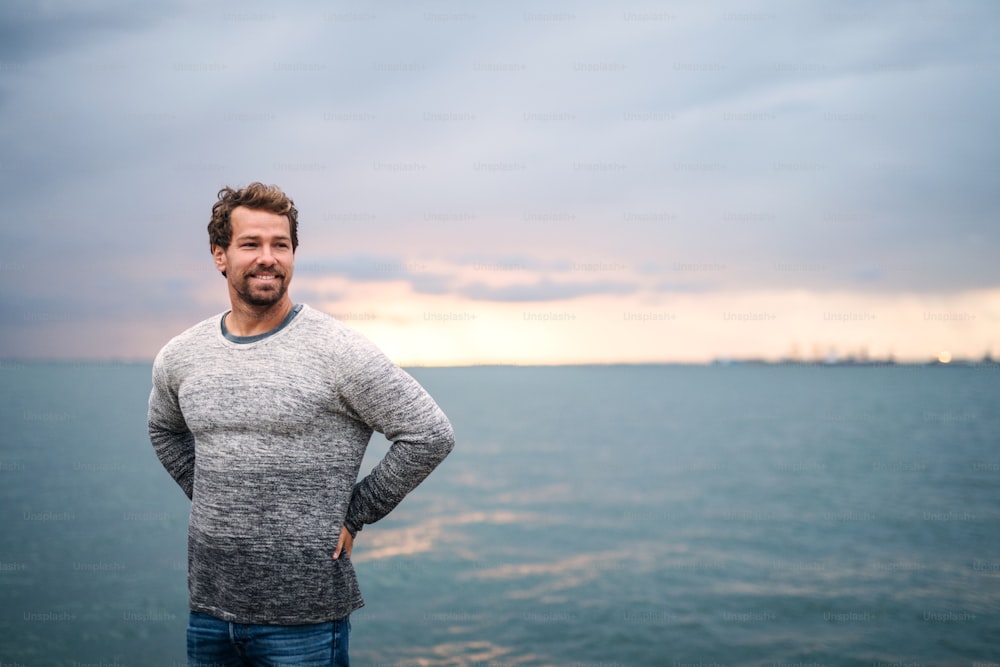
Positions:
{"x": 589, "y": 516}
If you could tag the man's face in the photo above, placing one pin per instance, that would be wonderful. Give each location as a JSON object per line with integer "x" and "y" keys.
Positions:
{"x": 259, "y": 260}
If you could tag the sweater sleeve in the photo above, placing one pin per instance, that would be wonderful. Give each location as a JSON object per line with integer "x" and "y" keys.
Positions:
{"x": 172, "y": 441}
{"x": 391, "y": 402}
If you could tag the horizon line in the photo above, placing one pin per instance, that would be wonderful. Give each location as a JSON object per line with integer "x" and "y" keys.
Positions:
{"x": 986, "y": 360}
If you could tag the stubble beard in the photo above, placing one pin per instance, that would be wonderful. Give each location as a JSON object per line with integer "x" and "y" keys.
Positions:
{"x": 261, "y": 297}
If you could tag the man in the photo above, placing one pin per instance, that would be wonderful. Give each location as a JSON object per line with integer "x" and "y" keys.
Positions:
{"x": 262, "y": 416}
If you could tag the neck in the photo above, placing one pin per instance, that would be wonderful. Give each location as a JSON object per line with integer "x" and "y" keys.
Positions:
{"x": 248, "y": 320}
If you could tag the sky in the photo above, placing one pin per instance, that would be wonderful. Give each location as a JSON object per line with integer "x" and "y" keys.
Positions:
{"x": 516, "y": 182}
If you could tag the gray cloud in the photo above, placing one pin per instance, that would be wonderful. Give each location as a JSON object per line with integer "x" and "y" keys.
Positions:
{"x": 365, "y": 268}
{"x": 418, "y": 274}
{"x": 30, "y": 30}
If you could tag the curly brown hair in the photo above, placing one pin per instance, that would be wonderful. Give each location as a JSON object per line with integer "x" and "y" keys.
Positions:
{"x": 255, "y": 196}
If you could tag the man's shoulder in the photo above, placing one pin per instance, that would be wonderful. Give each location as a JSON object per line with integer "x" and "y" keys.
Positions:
{"x": 343, "y": 338}
{"x": 327, "y": 323}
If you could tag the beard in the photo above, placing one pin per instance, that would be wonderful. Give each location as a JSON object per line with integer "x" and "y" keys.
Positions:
{"x": 261, "y": 295}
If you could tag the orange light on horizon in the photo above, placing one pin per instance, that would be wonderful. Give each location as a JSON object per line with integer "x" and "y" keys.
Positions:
{"x": 645, "y": 327}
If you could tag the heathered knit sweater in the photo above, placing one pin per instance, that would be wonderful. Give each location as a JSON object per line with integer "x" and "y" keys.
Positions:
{"x": 266, "y": 439}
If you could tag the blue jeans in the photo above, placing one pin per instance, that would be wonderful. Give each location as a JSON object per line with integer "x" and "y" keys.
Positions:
{"x": 217, "y": 643}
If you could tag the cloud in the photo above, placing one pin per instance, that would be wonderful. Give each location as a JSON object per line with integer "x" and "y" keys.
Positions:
{"x": 817, "y": 148}
{"x": 687, "y": 288}
{"x": 366, "y": 268}
{"x": 113, "y": 298}
{"x": 30, "y": 30}
{"x": 544, "y": 290}
{"x": 451, "y": 277}
{"x": 505, "y": 264}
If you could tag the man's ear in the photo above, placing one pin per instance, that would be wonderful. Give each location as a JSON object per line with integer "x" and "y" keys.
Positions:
{"x": 219, "y": 255}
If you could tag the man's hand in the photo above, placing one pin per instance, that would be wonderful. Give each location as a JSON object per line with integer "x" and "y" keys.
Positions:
{"x": 345, "y": 544}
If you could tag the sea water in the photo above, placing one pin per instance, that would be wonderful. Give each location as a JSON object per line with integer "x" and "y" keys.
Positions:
{"x": 589, "y": 516}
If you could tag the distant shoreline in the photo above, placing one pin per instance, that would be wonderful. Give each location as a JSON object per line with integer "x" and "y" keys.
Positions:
{"x": 986, "y": 363}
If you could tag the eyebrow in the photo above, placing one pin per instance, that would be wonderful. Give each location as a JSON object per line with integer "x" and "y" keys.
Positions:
{"x": 257, "y": 237}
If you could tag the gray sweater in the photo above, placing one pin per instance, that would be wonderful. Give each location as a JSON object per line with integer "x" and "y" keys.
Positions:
{"x": 266, "y": 439}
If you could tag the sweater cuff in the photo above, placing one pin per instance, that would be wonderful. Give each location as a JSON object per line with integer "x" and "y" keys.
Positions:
{"x": 351, "y": 528}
